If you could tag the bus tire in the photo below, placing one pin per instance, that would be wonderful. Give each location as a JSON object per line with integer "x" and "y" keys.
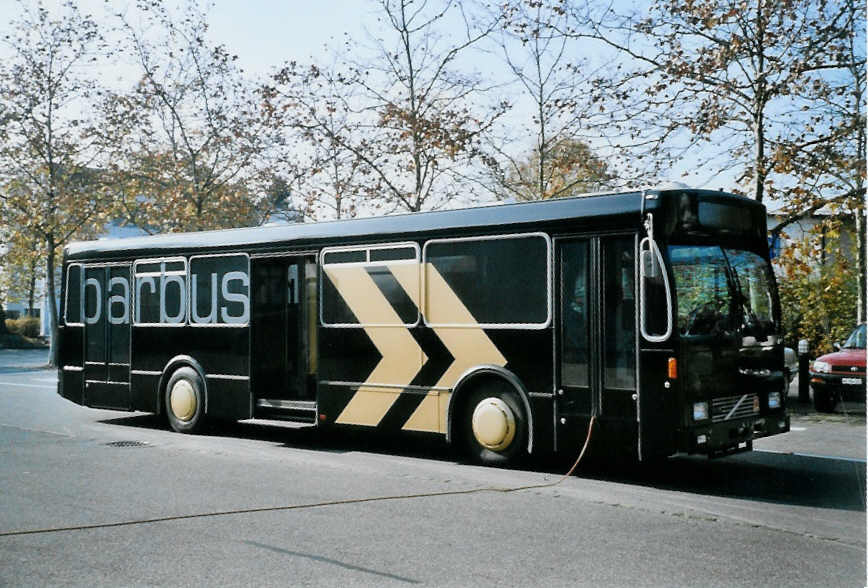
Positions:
{"x": 185, "y": 400}
{"x": 494, "y": 424}
{"x": 824, "y": 400}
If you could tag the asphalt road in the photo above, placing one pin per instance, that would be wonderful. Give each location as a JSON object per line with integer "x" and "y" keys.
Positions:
{"x": 344, "y": 510}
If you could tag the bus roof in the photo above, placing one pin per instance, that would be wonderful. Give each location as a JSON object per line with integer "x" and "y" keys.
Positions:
{"x": 625, "y": 206}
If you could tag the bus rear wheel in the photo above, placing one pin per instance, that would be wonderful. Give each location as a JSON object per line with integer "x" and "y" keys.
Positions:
{"x": 494, "y": 425}
{"x": 185, "y": 401}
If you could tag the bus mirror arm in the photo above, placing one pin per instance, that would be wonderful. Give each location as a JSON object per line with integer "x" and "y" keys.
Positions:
{"x": 651, "y": 267}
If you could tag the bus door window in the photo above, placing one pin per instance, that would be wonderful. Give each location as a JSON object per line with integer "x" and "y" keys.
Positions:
{"x": 575, "y": 316}
{"x": 281, "y": 338}
{"x": 310, "y": 315}
{"x": 269, "y": 327}
{"x": 574, "y": 310}
{"x": 106, "y": 320}
{"x": 619, "y": 308}
{"x": 118, "y": 314}
{"x": 94, "y": 318}
{"x": 294, "y": 324}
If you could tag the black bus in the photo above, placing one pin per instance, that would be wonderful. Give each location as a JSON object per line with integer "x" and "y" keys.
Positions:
{"x": 503, "y": 328}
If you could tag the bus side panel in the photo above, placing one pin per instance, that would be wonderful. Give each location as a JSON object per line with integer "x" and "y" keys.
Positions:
{"x": 72, "y": 385}
{"x": 229, "y": 398}
{"x": 657, "y": 402}
{"x": 528, "y": 355}
{"x": 222, "y": 353}
{"x": 143, "y": 392}
{"x": 543, "y": 424}
{"x": 71, "y": 354}
{"x": 346, "y": 355}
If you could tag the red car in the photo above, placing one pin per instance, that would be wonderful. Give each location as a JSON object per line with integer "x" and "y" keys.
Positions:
{"x": 839, "y": 375}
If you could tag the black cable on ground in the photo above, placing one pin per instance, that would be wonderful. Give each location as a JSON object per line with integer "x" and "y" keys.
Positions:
{"x": 309, "y": 505}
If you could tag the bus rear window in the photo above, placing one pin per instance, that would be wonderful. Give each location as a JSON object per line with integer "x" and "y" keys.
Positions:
{"x": 73, "y": 295}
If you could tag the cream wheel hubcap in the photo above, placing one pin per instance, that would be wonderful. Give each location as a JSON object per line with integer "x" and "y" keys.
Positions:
{"x": 182, "y": 399}
{"x": 493, "y": 424}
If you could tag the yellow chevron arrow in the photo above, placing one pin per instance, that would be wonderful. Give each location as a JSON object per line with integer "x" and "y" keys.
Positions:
{"x": 468, "y": 344}
{"x": 402, "y": 358}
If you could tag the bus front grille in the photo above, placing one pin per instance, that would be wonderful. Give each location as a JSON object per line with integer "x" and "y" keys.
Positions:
{"x": 733, "y": 407}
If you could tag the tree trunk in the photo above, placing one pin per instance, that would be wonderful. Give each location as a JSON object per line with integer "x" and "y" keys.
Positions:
{"x": 759, "y": 161}
{"x": 30, "y": 293}
{"x": 860, "y": 258}
{"x": 3, "y": 330}
{"x": 52, "y": 302}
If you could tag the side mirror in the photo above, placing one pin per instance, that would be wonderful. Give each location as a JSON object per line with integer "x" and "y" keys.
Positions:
{"x": 651, "y": 271}
{"x": 649, "y": 265}
{"x": 836, "y": 346}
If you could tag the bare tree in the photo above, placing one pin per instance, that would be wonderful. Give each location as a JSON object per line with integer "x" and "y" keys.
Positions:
{"x": 190, "y": 127}
{"x": 404, "y": 111}
{"x": 561, "y": 116}
{"x": 309, "y": 112}
{"x": 48, "y": 187}
{"x": 721, "y": 74}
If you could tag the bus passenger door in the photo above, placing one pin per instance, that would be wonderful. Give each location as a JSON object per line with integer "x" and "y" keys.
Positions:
{"x": 575, "y": 398}
{"x": 617, "y": 324}
{"x": 107, "y": 337}
{"x": 596, "y": 341}
{"x": 283, "y": 336}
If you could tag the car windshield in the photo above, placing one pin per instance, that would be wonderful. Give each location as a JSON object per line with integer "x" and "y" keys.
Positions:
{"x": 856, "y": 340}
{"x": 722, "y": 291}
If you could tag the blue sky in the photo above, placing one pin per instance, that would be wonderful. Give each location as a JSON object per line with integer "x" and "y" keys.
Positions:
{"x": 267, "y": 33}
{"x": 263, "y": 33}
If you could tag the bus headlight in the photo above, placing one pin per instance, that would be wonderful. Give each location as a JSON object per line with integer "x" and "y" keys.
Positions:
{"x": 822, "y": 367}
{"x": 700, "y": 411}
{"x": 774, "y": 399}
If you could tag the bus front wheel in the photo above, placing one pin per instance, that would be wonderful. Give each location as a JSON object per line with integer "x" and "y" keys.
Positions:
{"x": 494, "y": 425}
{"x": 185, "y": 400}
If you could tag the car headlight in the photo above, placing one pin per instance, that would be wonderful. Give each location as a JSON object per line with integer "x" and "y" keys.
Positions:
{"x": 774, "y": 399}
{"x": 700, "y": 411}
{"x": 822, "y": 367}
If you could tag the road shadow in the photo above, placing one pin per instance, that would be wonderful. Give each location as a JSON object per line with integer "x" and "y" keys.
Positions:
{"x": 309, "y": 437}
{"x": 776, "y": 478}
{"x": 759, "y": 476}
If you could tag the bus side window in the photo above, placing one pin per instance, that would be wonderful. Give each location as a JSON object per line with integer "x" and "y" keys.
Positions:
{"x": 503, "y": 282}
{"x": 220, "y": 290}
{"x": 353, "y": 278}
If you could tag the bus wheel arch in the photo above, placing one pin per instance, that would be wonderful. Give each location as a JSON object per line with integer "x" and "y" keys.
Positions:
{"x": 183, "y": 395}
{"x": 490, "y": 408}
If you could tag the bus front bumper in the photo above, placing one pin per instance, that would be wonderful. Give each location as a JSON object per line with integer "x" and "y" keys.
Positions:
{"x": 727, "y": 437}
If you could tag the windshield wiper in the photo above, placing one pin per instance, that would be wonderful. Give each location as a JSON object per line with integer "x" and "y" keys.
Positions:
{"x": 751, "y": 321}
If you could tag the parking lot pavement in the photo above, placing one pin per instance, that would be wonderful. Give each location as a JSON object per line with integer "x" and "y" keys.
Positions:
{"x": 839, "y": 435}
{"x": 844, "y": 410}
{"x": 23, "y": 359}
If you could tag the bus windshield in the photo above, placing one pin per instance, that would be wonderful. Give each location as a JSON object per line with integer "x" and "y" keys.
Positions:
{"x": 722, "y": 291}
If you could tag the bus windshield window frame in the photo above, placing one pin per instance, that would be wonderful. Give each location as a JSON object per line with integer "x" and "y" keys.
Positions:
{"x": 737, "y": 298}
